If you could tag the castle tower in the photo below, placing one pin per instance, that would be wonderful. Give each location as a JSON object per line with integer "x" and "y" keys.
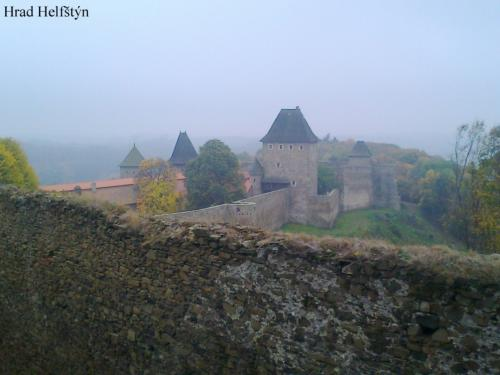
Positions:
{"x": 184, "y": 151}
{"x": 289, "y": 158}
{"x": 357, "y": 178}
{"x": 130, "y": 165}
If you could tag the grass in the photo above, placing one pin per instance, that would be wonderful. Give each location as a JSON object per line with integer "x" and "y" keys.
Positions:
{"x": 405, "y": 227}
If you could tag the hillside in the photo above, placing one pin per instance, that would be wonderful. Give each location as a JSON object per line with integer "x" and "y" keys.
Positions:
{"x": 85, "y": 291}
{"x": 405, "y": 227}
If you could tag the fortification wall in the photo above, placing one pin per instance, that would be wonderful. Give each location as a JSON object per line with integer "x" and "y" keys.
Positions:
{"x": 323, "y": 209}
{"x": 271, "y": 209}
{"x": 268, "y": 211}
{"x": 84, "y": 294}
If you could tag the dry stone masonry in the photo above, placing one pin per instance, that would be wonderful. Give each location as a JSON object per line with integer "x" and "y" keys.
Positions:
{"x": 84, "y": 293}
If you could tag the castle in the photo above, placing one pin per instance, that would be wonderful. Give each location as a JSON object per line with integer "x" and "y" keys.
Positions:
{"x": 284, "y": 180}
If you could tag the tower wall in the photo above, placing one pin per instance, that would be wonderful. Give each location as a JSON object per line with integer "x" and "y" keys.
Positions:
{"x": 128, "y": 172}
{"x": 357, "y": 191}
{"x": 385, "y": 187}
{"x": 297, "y": 163}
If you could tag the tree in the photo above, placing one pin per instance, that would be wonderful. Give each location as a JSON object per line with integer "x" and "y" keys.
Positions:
{"x": 156, "y": 181}
{"x": 213, "y": 177}
{"x": 14, "y": 166}
{"x": 486, "y": 192}
{"x": 327, "y": 180}
{"x": 435, "y": 188}
{"x": 468, "y": 143}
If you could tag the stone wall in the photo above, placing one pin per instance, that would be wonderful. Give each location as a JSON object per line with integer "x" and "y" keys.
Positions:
{"x": 83, "y": 293}
{"x": 268, "y": 211}
{"x": 323, "y": 209}
{"x": 271, "y": 209}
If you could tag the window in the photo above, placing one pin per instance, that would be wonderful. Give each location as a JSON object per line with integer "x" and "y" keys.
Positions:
{"x": 294, "y": 183}
{"x": 281, "y": 147}
{"x": 270, "y": 147}
{"x": 290, "y": 147}
{"x": 301, "y": 147}
{"x": 254, "y": 180}
{"x": 278, "y": 164}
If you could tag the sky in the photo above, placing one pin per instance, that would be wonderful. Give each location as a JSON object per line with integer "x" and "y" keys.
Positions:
{"x": 407, "y": 72}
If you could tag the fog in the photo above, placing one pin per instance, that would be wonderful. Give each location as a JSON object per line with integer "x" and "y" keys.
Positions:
{"x": 405, "y": 72}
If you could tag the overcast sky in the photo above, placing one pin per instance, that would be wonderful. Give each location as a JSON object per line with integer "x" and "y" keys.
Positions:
{"x": 376, "y": 70}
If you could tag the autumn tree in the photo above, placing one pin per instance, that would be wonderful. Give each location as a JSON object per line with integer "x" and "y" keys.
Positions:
{"x": 213, "y": 177}
{"x": 14, "y": 166}
{"x": 156, "y": 181}
{"x": 486, "y": 193}
{"x": 434, "y": 190}
{"x": 468, "y": 143}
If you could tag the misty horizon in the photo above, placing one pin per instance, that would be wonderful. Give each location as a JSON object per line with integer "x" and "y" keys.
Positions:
{"x": 405, "y": 73}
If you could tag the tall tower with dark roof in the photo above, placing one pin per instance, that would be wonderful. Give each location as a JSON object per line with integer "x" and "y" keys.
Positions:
{"x": 130, "y": 165}
{"x": 289, "y": 157}
{"x": 184, "y": 151}
{"x": 357, "y": 175}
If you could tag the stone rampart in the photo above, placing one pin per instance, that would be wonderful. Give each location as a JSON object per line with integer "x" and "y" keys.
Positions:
{"x": 323, "y": 209}
{"x": 268, "y": 211}
{"x": 271, "y": 209}
{"x": 83, "y": 293}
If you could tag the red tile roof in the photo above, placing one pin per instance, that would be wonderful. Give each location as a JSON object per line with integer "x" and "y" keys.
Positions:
{"x": 100, "y": 184}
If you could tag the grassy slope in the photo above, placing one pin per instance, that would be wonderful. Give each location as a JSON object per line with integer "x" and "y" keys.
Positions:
{"x": 405, "y": 227}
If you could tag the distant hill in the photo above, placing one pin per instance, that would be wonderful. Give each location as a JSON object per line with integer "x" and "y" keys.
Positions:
{"x": 405, "y": 227}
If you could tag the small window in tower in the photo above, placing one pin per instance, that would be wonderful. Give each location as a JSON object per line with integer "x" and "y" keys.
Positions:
{"x": 301, "y": 147}
{"x": 294, "y": 183}
{"x": 281, "y": 147}
{"x": 278, "y": 164}
{"x": 254, "y": 180}
{"x": 290, "y": 147}
{"x": 270, "y": 146}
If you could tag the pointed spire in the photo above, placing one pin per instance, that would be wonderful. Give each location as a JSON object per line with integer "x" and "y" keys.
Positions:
{"x": 290, "y": 126}
{"x": 133, "y": 159}
{"x": 360, "y": 150}
{"x": 184, "y": 151}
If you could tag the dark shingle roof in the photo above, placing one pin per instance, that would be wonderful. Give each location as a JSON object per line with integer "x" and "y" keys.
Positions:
{"x": 133, "y": 159}
{"x": 275, "y": 180}
{"x": 360, "y": 150}
{"x": 290, "y": 126}
{"x": 184, "y": 150}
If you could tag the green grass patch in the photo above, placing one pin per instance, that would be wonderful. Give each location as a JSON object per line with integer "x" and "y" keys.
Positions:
{"x": 405, "y": 227}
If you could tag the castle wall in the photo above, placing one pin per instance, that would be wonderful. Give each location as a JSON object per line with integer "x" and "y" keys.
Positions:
{"x": 357, "y": 190}
{"x": 268, "y": 211}
{"x": 271, "y": 209}
{"x": 324, "y": 209}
